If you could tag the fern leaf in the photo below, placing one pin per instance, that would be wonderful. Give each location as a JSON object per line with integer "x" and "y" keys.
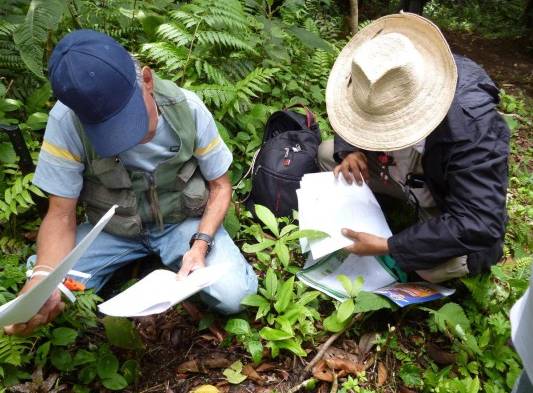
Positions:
{"x": 42, "y": 16}
{"x": 174, "y": 32}
{"x": 224, "y": 39}
{"x": 169, "y": 56}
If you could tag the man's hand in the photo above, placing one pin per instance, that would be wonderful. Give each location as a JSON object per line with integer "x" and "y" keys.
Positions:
{"x": 193, "y": 259}
{"x": 366, "y": 244}
{"x": 48, "y": 312}
{"x": 353, "y": 167}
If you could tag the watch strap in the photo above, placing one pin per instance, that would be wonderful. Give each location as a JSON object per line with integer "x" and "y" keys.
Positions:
{"x": 202, "y": 236}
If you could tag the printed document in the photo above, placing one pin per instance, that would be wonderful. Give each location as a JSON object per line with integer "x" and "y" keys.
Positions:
{"x": 24, "y": 307}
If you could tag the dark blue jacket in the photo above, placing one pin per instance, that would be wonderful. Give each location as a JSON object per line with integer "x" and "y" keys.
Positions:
{"x": 465, "y": 168}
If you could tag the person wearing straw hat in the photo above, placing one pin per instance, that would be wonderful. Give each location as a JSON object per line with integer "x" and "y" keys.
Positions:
{"x": 419, "y": 123}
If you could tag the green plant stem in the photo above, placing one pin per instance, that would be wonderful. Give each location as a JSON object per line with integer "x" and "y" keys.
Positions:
{"x": 190, "y": 51}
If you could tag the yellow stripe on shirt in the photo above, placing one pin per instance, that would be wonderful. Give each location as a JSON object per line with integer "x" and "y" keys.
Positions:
{"x": 202, "y": 151}
{"x": 59, "y": 152}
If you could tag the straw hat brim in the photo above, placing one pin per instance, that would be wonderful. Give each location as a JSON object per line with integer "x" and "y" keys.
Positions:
{"x": 416, "y": 120}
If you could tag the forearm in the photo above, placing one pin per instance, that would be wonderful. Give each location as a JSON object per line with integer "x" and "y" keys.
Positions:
{"x": 217, "y": 205}
{"x": 56, "y": 238}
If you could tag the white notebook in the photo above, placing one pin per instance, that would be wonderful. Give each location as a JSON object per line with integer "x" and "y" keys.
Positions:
{"x": 160, "y": 290}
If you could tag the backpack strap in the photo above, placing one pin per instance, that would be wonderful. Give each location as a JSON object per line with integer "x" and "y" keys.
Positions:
{"x": 310, "y": 116}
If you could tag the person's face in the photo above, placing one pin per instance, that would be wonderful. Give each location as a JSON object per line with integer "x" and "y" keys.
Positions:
{"x": 149, "y": 101}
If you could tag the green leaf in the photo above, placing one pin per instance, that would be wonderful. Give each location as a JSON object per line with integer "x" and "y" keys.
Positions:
{"x": 121, "y": 333}
{"x": 345, "y": 310}
{"x": 41, "y": 354}
{"x": 255, "y": 301}
{"x": 451, "y": 317}
{"x": 368, "y": 301}
{"x": 282, "y": 252}
{"x": 271, "y": 334}
{"x": 310, "y": 234}
{"x": 271, "y": 283}
{"x": 61, "y": 359}
{"x": 410, "y": 375}
{"x": 310, "y": 39}
{"x": 357, "y": 285}
{"x": 254, "y": 248}
{"x": 107, "y": 366}
{"x": 63, "y": 336}
{"x": 285, "y": 293}
{"x": 333, "y": 324}
{"x": 231, "y": 222}
{"x": 238, "y": 326}
{"x": 37, "y": 100}
{"x": 234, "y": 373}
{"x": 10, "y": 105}
{"x": 256, "y": 350}
{"x": 115, "y": 382}
{"x": 287, "y": 228}
{"x": 285, "y": 325}
{"x": 87, "y": 374}
{"x": 37, "y": 121}
{"x": 268, "y": 218}
{"x": 291, "y": 345}
{"x": 7, "y": 153}
{"x": 346, "y": 283}
{"x": 307, "y": 297}
{"x": 84, "y": 357}
{"x": 30, "y": 36}
{"x": 131, "y": 371}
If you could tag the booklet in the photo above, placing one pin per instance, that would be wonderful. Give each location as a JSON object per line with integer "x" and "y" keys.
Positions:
{"x": 330, "y": 204}
{"x": 380, "y": 276}
{"x": 160, "y": 290}
{"x": 24, "y": 307}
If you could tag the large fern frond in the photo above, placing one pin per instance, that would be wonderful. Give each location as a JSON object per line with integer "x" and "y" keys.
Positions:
{"x": 12, "y": 348}
{"x": 224, "y": 39}
{"x": 174, "y": 32}
{"x": 206, "y": 70}
{"x": 170, "y": 57}
{"x": 42, "y": 16}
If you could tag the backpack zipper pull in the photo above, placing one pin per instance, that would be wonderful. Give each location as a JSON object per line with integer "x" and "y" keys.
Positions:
{"x": 286, "y": 159}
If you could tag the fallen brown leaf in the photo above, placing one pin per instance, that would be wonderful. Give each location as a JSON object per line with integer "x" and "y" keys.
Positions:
{"x": 366, "y": 343}
{"x": 345, "y": 365}
{"x": 321, "y": 373}
{"x": 382, "y": 374}
{"x": 439, "y": 356}
{"x": 202, "y": 366}
{"x": 265, "y": 367}
{"x": 249, "y": 371}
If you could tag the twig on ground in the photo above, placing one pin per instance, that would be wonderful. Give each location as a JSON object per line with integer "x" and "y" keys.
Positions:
{"x": 328, "y": 343}
{"x": 335, "y": 384}
{"x": 300, "y": 385}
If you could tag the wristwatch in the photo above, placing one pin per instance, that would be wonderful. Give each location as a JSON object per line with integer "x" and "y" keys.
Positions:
{"x": 205, "y": 237}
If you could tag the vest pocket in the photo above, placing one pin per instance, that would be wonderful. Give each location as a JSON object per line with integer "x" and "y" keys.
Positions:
{"x": 111, "y": 173}
{"x": 195, "y": 195}
{"x": 97, "y": 196}
{"x": 185, "y": 173}
{"x": 125, "y": 226}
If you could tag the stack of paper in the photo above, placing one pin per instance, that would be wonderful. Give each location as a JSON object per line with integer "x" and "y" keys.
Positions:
{"x": 329, "y": 204}
{"x": 160, "y": 290}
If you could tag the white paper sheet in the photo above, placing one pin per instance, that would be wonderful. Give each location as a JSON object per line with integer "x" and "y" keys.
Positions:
{"x": 160, "y": 290}
{"x": 329, "y": 204}
{"x": 25, "y": 306}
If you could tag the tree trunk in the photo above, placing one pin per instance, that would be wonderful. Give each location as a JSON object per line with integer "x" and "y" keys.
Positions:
{"x": 354, "y": 16}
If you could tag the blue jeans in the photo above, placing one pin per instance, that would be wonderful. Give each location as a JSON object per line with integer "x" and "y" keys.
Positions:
{"x": 109, "y": 252}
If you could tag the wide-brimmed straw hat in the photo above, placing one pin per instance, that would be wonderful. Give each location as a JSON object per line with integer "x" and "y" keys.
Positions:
{"x": 392, "y": 84}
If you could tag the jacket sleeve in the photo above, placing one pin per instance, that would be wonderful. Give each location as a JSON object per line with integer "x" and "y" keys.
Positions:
{"x": 473, "y": 214}
{"x": 341, "y": 148}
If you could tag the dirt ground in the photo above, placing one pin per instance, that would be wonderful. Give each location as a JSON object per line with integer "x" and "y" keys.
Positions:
{"x": 179, "y": 357}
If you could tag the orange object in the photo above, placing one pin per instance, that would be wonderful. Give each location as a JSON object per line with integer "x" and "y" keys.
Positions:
{"x": 73, "y": 285}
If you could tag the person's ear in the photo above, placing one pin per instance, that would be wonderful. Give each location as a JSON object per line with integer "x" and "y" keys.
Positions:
{"x": 148, "y": 80}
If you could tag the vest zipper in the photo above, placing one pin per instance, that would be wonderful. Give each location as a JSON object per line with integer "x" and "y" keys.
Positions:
{"x": 153, "y": 199}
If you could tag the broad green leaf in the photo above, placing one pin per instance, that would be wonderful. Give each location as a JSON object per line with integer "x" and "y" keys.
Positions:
{"x": 282, "y": 252}
{"x": 271, "y": 283}
{"x": 291, "y": 345}
{"x": 451, "y": 317}
{"x": 307, "y": 297}
{"x": 256, "y": 350}
{"x": 115, "y": 382}
{"x": 293, "y": 312}
{"x": 30, "y": 36}
{"x": 61, "y": 359}
{"x": 41, "y": 355}
{"x": 310, "y": 39}
{"x": 10, "y": 105}
{"x": 345, "y": 310}
{"x": 287, "y": 228}
{"x": 285, "y": 325}
{"x": 254, "y": 301}
{"x": 37, "y": 121}
{"x": 267, "y": 218}
{"x": 87, "y": 374}
{"x": 231, "y": 222}
{"x": 368, "y": 301}
{"x": 346, "y": 283}
{"x": 122, "y": 333}
{"x": 357, "y": 285}
{"x": 333, "y": 324}
{"x": 83, "y": 356}
{"x": 234, "y": 373}
{"x": 238, "y": 326}
{"x": 131, "y": 371}
{"x": 310, "y": 234}
{"x": 63, "y": 336}
{"x": 254, "y": 248}
{"x": 37, "y": 100}
{"x": 107, "y": 366}
{"x": 271, "y": 334}
{"x": 284, "y": 295}
{"x": 7, "y": 153}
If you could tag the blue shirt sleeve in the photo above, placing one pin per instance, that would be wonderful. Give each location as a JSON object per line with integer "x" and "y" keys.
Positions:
{"x": 214, "y": 157}
{"x": 60, "y": 166}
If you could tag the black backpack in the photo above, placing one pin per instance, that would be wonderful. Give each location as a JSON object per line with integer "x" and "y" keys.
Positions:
{"x": 289, "y": 150}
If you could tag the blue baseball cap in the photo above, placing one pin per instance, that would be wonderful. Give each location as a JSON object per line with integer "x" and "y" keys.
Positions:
{"x": 95, "y": 76}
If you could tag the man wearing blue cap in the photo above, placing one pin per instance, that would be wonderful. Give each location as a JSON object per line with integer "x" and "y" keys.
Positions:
{"x": 120, "y": 135}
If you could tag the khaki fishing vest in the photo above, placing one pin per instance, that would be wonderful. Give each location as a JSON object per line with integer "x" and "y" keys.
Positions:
{"x": 174, "y": 191}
